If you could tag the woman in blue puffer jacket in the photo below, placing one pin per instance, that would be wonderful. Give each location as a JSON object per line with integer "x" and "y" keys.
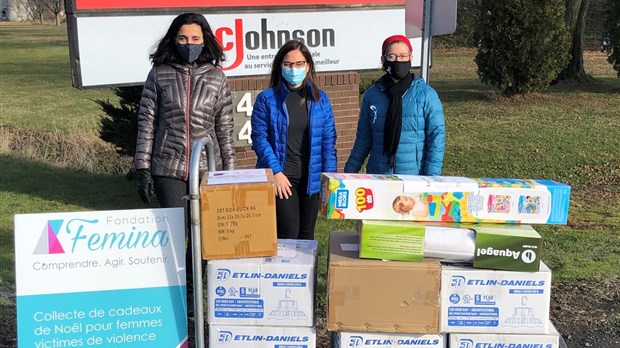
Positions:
{"x": 294, "y": 134}
{"x": 401, "y": 123}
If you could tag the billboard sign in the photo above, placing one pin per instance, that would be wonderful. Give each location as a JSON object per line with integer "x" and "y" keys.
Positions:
{"x": 341, "y": 41}
{"x": 188, "y": 4}
{"x": 110, "y": 41}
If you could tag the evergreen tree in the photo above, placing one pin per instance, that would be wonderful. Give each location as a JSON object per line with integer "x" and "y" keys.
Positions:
{"x": 523, "y": 44}
{"x": 120, "y": 126}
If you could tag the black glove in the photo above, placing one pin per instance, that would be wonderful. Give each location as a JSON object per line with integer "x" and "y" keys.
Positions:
{"x": 146, "y": 189}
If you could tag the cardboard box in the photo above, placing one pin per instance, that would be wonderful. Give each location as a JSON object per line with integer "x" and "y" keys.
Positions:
{"x": 238, "y": 214}
{"x": 490, "y": 301}
{"x": 379, "y": 296}
{"x": 492, "y": 246}
{"x": 226, "y": 336}
{"x": 443, "y": 198}
{"x": 467, "y": 340}
{"x": 386, "y": 340}
{"x": 269, "y": 291}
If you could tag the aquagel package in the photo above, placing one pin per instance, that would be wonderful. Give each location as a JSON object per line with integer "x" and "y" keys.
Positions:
{"x": 512, "y": 247}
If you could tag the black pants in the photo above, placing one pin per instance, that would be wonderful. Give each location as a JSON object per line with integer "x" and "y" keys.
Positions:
{"x": 170, "y": 193}
{"x": 296, "y": 216}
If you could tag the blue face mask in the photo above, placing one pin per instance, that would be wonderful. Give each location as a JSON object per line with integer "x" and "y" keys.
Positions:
{"x": 294, "y": 76}
{"x": 189, "y": 52}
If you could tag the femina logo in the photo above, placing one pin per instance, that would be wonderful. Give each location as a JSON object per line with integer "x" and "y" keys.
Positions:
{"x": 48, "y": 242}
{"x": 222, "y": 274}
{"x": 84, "y": 234}
{"x": 236, "y": 40}
{"x": 224, "y": 336}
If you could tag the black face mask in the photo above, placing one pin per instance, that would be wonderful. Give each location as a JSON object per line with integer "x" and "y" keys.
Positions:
{"x": 397, "y": 70}
{"x": 189, "y": 52}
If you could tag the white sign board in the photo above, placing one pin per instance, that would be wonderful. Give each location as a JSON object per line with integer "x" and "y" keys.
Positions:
{"x": 443, "y": 17}
{"x": 114, "y": 50}
{"x": 101, "y": 279}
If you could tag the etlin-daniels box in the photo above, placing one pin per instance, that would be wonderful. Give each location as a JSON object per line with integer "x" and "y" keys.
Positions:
{"x": 267, "y": 291}
{"x": 443, "y": 199}
{"x": 238, "y": 214}
{"x": 491, "y": 301}
{"x": 468, "y": 340}
{"x": 226, "y": 336}
{"x": 492, "y": 246}
{"x": 379, "y": 296}
{"x": 386, "y": 340}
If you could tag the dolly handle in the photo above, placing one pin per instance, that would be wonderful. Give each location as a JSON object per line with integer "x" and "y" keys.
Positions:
{"x": 194, "y": 205}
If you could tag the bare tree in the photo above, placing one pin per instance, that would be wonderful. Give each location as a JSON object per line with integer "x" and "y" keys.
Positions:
{"x": 21, "y": 7}
{"x": 35, "y": 8}
{"x": 56, "y": 7}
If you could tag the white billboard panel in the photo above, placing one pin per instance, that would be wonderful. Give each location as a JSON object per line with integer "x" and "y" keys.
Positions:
{"x": 113, "y": 50}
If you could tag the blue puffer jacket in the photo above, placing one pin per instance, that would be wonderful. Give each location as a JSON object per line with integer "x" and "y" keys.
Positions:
{"x": 422, "y": 139}
{"x": 270, "y": 129}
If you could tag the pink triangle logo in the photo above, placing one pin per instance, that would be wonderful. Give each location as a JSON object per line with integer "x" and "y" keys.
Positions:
{"x": 48, "y": 242}
{"x": 54, "y": 246}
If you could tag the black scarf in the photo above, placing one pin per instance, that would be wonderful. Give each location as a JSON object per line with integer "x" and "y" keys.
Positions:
{"x": 394, "y": 118}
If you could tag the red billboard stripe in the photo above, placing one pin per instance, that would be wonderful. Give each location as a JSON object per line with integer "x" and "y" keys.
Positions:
{"x": 129, "y": 4}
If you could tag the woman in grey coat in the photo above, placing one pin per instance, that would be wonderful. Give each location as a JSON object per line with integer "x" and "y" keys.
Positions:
{"x": 185, "y": 97}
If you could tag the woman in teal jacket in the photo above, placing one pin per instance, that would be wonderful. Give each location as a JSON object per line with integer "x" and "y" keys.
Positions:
{"x": 294, "y": 134}
{"x": 401, "y": 123}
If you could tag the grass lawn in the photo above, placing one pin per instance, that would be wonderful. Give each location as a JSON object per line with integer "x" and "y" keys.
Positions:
{"x": 569, "y": 133}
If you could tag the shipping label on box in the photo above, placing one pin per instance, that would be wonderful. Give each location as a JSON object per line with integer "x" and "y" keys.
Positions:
{"x": 270, "y": 291}
{"x": 492, "y": 246}
{"x": 378, "y": 296}
{"x": 386, "y": 340}
{"x": 443, "y": 199}
{"x": 227, "y": 336}
{"x": 469, "y": 340}
{"x": 238, "y": 214}
{"x": 491, "y": 301}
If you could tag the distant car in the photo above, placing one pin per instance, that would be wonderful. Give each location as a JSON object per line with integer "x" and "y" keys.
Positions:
{"x": 607, "y": 46}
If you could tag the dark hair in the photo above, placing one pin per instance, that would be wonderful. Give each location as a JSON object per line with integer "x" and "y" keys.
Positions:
{"x": 276, "y": 68}
{"x": 166, "y": 51}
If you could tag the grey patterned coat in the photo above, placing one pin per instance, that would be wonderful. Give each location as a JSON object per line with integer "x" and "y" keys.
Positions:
{"x": 170, "y": 119}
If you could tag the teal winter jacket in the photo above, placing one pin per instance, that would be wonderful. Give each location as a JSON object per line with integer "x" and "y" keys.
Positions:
{"x": 422, "y": 140}
{"x": 270, "y": 129}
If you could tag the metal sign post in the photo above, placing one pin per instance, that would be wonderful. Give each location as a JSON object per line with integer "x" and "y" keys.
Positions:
{"x": 426, "y": 40}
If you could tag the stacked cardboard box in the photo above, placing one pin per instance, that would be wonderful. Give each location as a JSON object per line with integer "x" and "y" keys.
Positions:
{"x": 260, "y": 290}
{"x": 501, "y": 294}
{"x": 372, "y": 301}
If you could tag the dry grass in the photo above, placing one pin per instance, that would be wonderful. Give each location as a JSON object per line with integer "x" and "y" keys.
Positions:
{"x": 76, "y": 150}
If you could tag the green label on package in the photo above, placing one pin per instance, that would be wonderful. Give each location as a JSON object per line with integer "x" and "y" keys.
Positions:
{"x": 516, "y": 249}
{"x": 391, "y": 241}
